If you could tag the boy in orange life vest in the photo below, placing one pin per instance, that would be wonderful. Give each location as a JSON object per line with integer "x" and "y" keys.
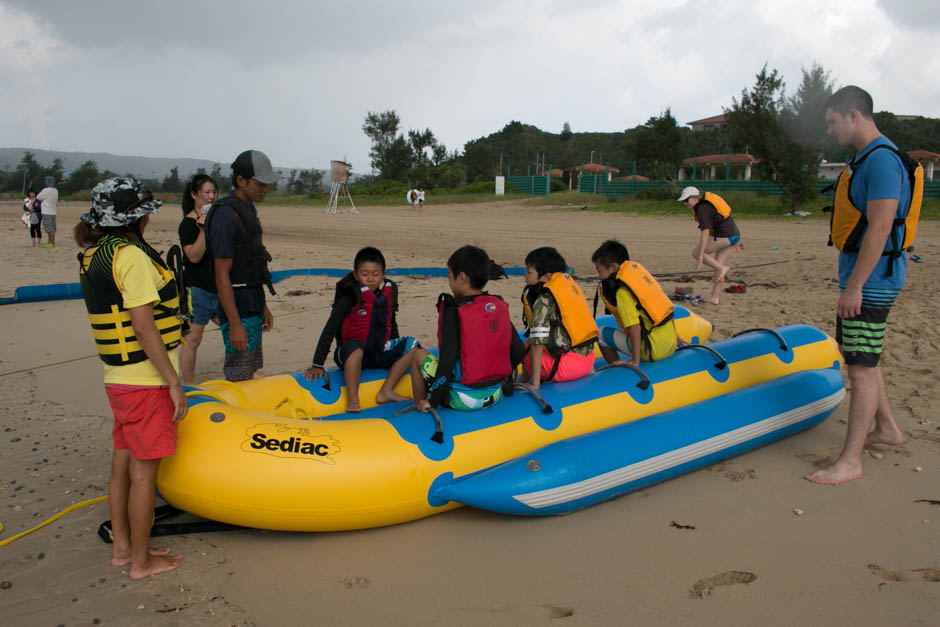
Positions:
{"x": 643, "y": 311}
{"x": 479, "y": 348}
{"x": 561, "y": 327}
{"x": 363, "y": 321}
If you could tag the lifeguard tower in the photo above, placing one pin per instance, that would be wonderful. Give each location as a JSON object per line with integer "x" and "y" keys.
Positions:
{"x": 339, "y": 186}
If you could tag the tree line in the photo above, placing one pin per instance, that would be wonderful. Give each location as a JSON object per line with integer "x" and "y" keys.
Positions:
{"x": 785, "y": 131}
{"x": 30, "y": 173}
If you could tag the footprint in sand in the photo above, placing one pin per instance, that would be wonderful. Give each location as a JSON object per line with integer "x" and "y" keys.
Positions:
{"x": 703, "y": 587}
{"x": 355, "y": 582}
{"x": 817, "y": 460}
{"x": 734, "y": 474}
{"x": 906, "y": 576}
{"x": 546, "y": 610}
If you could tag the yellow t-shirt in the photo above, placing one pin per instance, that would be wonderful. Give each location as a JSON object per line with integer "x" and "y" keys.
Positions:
{"x": 661, "y": 340}
{"x": 139, "y": 280}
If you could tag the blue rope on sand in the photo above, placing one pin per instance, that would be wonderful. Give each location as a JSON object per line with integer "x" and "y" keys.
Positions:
{"x": 69, "y": 291}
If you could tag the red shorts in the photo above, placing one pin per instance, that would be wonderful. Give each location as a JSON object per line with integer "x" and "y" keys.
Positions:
{"x": 570, "y": 367}
{"x": 143, "y": 420}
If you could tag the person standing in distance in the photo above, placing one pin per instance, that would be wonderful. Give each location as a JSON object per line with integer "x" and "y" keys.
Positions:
{"x": 871, "y": 275}
{"x": 233, "y": 231}
{"x": 49, "y": 197}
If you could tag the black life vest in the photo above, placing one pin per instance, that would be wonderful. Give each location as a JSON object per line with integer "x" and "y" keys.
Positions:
{"x": 250, "y": 260}
{"x": 847, "y": 224}
{"x": 485, "y": 337}
{"x": 111, "y": 324}
{"x": 370, "y": 320}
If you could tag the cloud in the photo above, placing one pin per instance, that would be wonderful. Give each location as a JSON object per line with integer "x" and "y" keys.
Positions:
{"x": 921, "y": 15}
{"x": 295, "y": 79}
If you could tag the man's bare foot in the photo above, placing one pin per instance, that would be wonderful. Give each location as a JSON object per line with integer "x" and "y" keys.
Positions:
{"x": 891, "y": 438}
{"x": 389, "y": 397}
{"x": 155, "y": 565}
{"x": 836, "y": 474}
{"x": 123, "y": 559}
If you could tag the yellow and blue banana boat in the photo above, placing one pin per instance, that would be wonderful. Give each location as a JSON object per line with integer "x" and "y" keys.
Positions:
{"x": 279, "y": 453}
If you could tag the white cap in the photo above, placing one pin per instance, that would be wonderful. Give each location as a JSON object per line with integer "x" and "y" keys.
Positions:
{"x": 688, "y": 192}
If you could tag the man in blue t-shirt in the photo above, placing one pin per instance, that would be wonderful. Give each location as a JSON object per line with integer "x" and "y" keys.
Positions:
{"x": 870, "y": 280}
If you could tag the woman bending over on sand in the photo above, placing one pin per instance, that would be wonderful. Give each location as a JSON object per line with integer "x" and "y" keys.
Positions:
{"x": 719, "y": 234}
{"x": 198, "y": 197}
{"x": 133, "y": 308}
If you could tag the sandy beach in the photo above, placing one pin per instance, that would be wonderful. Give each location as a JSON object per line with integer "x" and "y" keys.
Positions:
{"x": 719, "y": 546}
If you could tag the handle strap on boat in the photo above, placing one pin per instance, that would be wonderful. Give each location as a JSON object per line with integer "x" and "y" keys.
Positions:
{"x": 644, "y": 381}
{"x": 783, "y": 342}
{"x": 720, "y": 362}
{"x": 438, "y": 424}
{"x": 531, "y": 391}
{"x": 326, "y": 379}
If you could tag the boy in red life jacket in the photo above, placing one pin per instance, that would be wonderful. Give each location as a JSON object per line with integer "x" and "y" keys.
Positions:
{"x": 479, "y": 348}
{"x": 561, "y": 327}
{"x": 366, "y": 331}
{"x": 645, "y": 328}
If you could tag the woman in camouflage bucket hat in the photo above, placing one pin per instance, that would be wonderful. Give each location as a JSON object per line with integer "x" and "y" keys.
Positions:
{"x": 133, "y": 308}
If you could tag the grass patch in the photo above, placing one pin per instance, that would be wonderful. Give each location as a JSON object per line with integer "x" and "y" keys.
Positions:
{"x": 743, "y": 204}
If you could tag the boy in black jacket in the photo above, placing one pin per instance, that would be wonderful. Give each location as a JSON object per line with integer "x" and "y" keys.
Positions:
{"x": 363, "y": 323}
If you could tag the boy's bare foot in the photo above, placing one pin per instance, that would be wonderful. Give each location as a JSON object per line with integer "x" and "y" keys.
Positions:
{"x": 155, "y": 565}
{"x": 389, "y": 397}
{"x": 835, "y": 474}
{"x": 353, "y": 407}
{"x": 891, "y": 438}
{"x": 123, "y": 559}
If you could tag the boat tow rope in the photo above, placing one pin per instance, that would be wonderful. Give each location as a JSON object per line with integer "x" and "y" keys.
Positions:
{"x": 438, "y": 424}
{"x": 65, "y": 511}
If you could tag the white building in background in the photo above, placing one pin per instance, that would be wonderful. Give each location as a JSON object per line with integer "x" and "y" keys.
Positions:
{"x": 930, "y": 161}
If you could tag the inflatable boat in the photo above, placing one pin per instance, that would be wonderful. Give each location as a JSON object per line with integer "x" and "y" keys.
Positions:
{"x": 279, "y": 453}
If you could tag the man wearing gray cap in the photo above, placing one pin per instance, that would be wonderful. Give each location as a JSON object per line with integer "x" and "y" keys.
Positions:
{"x": 233, "y": 233}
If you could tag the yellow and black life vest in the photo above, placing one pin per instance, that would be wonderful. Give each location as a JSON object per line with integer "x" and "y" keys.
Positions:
{"x": 847, "y": 223}
{"x": 644, "y": 287}
{"x": 110, "y": 321}
{"x": 722, "y": 208}
{"x": 576, "y": 315}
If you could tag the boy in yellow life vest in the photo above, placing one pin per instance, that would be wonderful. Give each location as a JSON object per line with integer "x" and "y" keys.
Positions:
{"x": 560, "y": 326}
{"x": 719, "y": 234}
{"x": 643, "y": 311}
{"x": 133, "y": 308}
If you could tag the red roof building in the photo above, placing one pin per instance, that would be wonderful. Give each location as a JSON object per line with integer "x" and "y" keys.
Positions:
{"x": 701, "y": 125}
{"x": 927, "y": 159}
{"x": 713, "y": 166}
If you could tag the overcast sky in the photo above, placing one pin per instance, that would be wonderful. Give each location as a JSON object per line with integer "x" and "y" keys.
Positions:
{"x": 190, "y": 78}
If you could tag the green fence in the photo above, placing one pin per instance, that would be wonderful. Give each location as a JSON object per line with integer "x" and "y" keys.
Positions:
{"x": 532, "y": 185}
{"x": 598, "y": 184}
